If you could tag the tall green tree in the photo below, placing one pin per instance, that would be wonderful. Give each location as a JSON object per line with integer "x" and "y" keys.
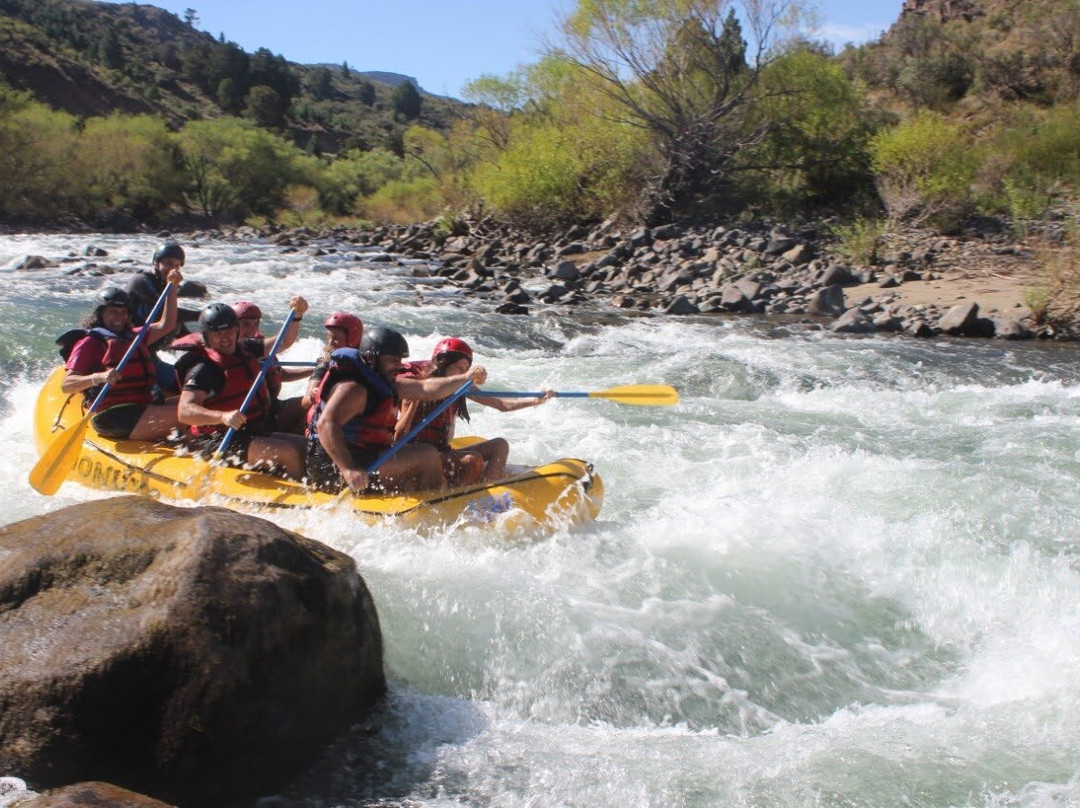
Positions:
{"x": 321, "y": 84}
{"x": 683, "y": 71}
{"x": 264, "y": 106}
{"x": 235, "y": 169}
{"x": 365, "y": 93}
{"x": 407, "y": 100}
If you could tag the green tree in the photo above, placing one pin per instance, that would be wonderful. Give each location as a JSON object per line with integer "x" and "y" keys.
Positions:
{"x": 229, "y": 96}
{"x": 407, "y": 100}
{"x": 321, "y": 84}
{"x": 924, "y": 170}
{"x": 264, "y": 106}
{"x": 365, "y": 93}
{"x": 110, "y": 51}
{"x": 235, "y": 169}
{"x": 680, "y": 70}
{"x": 127, "y": 163}
{"x": 37, "y": 151}
{"x": 815, "y": 133}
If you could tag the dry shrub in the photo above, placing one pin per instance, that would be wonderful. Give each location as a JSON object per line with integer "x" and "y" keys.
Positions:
{"x": 1055, "y": 300}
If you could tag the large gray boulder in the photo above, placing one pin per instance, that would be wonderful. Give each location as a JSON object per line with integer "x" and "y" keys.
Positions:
{"x": 192, "y": 654}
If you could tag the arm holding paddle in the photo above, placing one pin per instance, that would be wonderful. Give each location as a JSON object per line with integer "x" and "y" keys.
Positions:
{"x": 298, "y": 306}
{"x": 61, "y": 455}
{"x": 75, "y": 382}
{"x": 514, "y": 403}
{"x": 434, "y": 388}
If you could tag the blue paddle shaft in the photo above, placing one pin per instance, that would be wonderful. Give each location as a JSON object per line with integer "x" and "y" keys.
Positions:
{"x": 134, "y": 346}
{"x": 412, "y": 433}
{"x": 258, "y": 379}
{"x": 504, "y": 394}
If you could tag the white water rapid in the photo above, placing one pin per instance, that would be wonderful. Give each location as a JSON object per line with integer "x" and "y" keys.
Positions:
{"x": 842, "y": 572}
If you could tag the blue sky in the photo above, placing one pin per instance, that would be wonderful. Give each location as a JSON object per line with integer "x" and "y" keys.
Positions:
{"x": 442, "y": 43}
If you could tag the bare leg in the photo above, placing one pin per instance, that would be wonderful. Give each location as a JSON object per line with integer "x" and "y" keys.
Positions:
{"x": 281, "y": 450}
{"x": 495, "y": 452}
{"x": 416, "y": 467}
{"x": 462, "y": 467}
{"x": 156, "y": 422}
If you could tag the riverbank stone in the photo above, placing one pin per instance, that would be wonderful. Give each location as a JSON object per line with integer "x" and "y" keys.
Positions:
{"x": 196, "y": 655}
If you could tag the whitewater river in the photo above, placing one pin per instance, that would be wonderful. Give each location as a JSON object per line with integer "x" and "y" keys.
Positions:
{"x": 842, "y": 572}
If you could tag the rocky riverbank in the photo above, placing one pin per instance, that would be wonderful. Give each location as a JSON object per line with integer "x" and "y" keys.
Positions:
{"x": 979, "y": 283}
{"x": 923, "y": 284}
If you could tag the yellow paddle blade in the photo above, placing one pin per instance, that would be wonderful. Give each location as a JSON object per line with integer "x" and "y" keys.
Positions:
{"x": 57, "y": 461}
{"x": 655, "y": 395}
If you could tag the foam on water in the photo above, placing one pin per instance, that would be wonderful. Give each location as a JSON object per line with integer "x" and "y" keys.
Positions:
{"x": 843, "y": 571}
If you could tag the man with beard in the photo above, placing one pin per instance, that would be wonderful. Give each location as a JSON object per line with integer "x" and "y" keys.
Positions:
{"x": 356, "y": 410}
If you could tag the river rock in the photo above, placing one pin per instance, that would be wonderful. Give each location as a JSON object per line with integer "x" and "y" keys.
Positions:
{"x": 192, "y": 654}
{"x": 36, "y": 262}
{"x": 853, "y": 321}
{"x": 90, "y": 795}
{"x": 828, "y": 301}
{"x": 960, "y": 319}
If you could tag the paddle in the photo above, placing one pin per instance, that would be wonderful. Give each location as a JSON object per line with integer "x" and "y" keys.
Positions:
{"x": 62, "y": 454}
{"x": 267, "y": 361}
{"x": 656, "y": 395}
{"x": 412, "y": 433}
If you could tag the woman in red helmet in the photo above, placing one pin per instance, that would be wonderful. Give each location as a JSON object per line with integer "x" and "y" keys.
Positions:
{"x": 487, "y": 460}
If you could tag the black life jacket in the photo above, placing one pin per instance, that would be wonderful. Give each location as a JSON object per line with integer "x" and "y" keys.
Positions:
{"x": 374, "y": 427}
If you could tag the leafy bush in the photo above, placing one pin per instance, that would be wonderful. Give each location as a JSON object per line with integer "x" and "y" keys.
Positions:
{"x": 404, "y": 202}
{"x": 861, "y": 241}
{"x": 924, "y": 169}
{"x": 236, "y": 169}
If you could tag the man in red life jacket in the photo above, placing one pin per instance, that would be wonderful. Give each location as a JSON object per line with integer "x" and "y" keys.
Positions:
{"x": 216, "y": 379}
{"x": 129, "y": 409}
{"x": 356, "y": 408}
{"x": 486, "y": 459}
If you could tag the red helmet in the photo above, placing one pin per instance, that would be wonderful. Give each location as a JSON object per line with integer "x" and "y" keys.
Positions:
{"x": 247, "y": 311}
{"x": 350, "y": 323}
{"x": 452, "y": 345}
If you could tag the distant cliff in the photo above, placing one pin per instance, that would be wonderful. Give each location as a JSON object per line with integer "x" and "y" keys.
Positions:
{"x": 945, "y": 10}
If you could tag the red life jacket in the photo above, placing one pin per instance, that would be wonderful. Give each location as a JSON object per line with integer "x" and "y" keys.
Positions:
{"x": 137, "y": 379}
{"x": 240, "y": 370}
{"x": 440, "y": 431}
{"x": 374, "y": 427}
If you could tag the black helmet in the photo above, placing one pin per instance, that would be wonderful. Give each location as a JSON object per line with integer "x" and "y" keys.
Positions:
{"x": 379, "y": 341}
{"x": 112, "y": 296}
{"x": 217, "y": 317}
{"x": 170, "y": 249}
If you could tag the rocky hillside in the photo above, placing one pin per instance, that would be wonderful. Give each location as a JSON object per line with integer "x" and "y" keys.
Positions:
{"x": 89, "y": 58}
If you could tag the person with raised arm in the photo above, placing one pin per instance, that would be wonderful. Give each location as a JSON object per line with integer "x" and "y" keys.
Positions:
{"x": 132, "y": 407}
{"x": 484, "y": 460}
{"x": 356, "y": 410}
{"x": 215, "y": 379}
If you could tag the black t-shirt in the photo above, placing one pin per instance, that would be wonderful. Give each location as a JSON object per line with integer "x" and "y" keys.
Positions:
{"x": 144, "y": 289}
{"x": 206, "y": 377}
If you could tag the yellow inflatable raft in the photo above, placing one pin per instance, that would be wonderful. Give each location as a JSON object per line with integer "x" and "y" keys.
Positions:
{"x": 565, "y": 491}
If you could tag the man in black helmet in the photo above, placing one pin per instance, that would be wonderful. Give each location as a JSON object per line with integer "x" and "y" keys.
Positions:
{"x": 146, "y": 286}
{"x": 144, "y": 289}
{"x": 356, "y": 409}
{"x": 216, "y": 377}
